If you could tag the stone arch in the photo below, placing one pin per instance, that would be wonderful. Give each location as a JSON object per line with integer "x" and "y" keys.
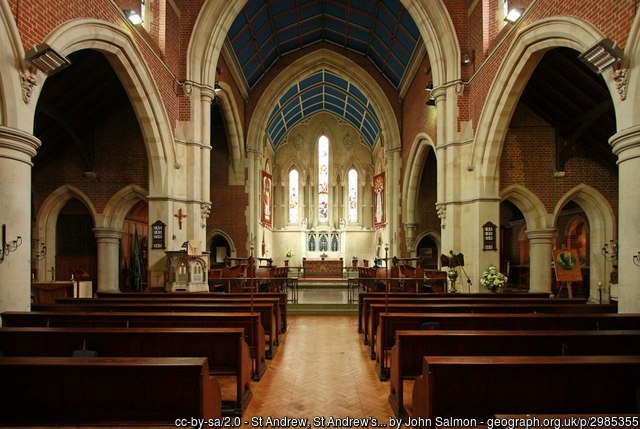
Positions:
{"x": 120, "y": 204}
{"x": 412, "y": 173}
{"x": 11, "y": 55}
{"x": 218, "y": 232}
{"x": 628, "y": 117}
{"x": 529, "y": 204}
{"x": 136, "y": 78}
{"x": 316, "y": 61}
{"x": 235, "y": 131}
{"x": 520, "y": 62}
{"x": 602, "y": 226}
{"x": 47, "y": 219}
{"x": 431, "y": 17}
{"x": 434, "y": 235}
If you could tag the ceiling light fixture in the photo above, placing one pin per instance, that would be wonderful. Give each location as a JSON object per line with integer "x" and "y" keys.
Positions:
{"x": 513, "y": 15}
{"x": 133, "y": 16}
{"x": 45, "y": 59}
{"x": 604, "y": 54}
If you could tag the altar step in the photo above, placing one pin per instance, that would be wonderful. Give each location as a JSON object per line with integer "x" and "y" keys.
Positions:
{"x": 322, "y": 309}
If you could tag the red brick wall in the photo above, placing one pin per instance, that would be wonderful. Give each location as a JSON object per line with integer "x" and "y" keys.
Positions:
{"x": 528, "y": 159}
{"x": 120, "y": 160}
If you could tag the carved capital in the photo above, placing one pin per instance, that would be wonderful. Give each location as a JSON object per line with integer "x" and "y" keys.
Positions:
{"x": 205, "y": 211}
{"x": 441, "y": 210}
{"x": 410, "y": 229}
{"x": 621, "y": 77}
{"x": 27, "y": 81}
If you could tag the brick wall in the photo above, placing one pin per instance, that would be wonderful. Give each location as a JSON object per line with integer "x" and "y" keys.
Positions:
{"x": 120, "y": 160}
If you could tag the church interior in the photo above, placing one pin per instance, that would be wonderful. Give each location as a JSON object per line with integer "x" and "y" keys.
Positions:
{"x": 471, "y": 149}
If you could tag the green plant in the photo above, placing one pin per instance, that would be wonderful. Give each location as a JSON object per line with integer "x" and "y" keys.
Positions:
{"x": 289, "y": 253}
{"x": 493, "y": 279}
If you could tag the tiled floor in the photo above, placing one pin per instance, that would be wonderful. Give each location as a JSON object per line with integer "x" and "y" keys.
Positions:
{"x": 320, "y": 371}
{"x": 322, "y": 295}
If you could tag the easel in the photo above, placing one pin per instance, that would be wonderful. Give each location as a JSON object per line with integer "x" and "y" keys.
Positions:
{"x": 569, "y": 288}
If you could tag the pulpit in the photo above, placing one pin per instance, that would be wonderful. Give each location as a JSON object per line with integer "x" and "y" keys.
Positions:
{"x": 187, "y": 271}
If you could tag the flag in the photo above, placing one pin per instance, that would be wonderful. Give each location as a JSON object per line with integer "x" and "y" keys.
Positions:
{"x": 136, "y": 264}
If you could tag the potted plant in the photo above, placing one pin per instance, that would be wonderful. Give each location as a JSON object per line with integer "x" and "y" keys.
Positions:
{"x": 493, "y": 279}
{"x": 288, "y": 254}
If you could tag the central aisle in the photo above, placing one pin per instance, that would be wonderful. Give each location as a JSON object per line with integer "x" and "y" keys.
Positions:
{"x": 321, "y": 369}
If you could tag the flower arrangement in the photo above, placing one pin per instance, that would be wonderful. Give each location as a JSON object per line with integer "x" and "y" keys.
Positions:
{"x": 289, "y": 253}
{"x": 493, "y": 279}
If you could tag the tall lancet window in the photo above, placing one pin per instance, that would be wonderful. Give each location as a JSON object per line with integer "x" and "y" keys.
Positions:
{"x": 323, "y": 179}
{"x": 353, "y": 195}
{"x": 294, "y": 194}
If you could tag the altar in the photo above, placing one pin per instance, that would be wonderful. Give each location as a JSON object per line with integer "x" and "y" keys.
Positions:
{"x": 322, "y": 268}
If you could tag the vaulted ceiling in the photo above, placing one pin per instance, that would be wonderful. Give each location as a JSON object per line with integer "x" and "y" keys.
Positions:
{"x": 380, "y": 30}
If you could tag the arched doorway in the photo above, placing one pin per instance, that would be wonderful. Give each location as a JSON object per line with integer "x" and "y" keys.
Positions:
{"x": 514, "y": 246}
{"x": 428, "y": 248}
{"x": 573, "y": 233}
{"x": 220, "y": 249}
{"x": 76, "y": 248}
{"x": 134, "y": 248}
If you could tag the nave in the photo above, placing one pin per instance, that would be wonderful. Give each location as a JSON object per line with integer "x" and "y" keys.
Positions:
{"x": 322, "y": 369}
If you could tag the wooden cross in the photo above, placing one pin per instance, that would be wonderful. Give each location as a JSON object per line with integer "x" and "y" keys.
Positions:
{"x": 180, "y": 216}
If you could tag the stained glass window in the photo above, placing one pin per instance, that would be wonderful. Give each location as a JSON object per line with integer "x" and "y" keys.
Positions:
{"x": 323, "y": 179}
{"x": 352, "y": 183}
{"x": 293, "y": 196}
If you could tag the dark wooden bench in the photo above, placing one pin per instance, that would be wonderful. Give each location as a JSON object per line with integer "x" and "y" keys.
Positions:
{"x": 478, "y": 387}
{"x": 393, "y": 322}
{"x": 225, "y": 348}
{"x": 105, "y": 391}
{"x": 509, "y": 307}
{"x": 266, "y": 312}
{"x": 254, "y": 333}
{"x": 410, "y": 346}
{"x": 282, "y": 297}
{"x": 362, "y": 296}
{"x": 452, "y": 299}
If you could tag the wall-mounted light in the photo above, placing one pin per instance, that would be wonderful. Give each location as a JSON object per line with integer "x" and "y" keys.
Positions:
{"x": 217, "y": 87}
{"x": 604, "y": 54}
{"x": 45, "y": 59}
{"x": 39, "y": 254}
{"x": 468, "y": 57}
{"x": 133, "y": 16}
{"x": 8, "y": 247}
{"x": 431, "y": 101}
{"x": 429, "y": 87}
{"x": 513, "y": 15}
{"x": 636, "y": 259}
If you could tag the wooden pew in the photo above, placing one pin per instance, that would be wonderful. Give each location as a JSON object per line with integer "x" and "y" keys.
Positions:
{"x": 550, "y": 307}
{"x": 266, "y": 312}
{"x": 411, "y": 346}
{"x": 451, "y": 299}
{"x": 213, "y": 300}
{"x": 477, "y": 387}
{"x": 282, "y": 298}
{"x": 393, "y": 322}
{"x": 105, "y": 391}
{"x": 364, "y": 295}
{"x": 254, "y": 333}
{"x": 225, "y": 349}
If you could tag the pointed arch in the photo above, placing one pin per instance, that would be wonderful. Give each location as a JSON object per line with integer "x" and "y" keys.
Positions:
{"x": 47, "y": 219}
{"x": 235, "y": 131}
{"x": 137, "y": 80}
{"x": 434, "y": 235}
{"x": 529, "y": 204}
{"x": 120, "y": 205}
{"x": 519, "y": 63}
{"x": 218, "y": 232}
{"x": 11, "y": 55}
{"x": 418, "y": 154}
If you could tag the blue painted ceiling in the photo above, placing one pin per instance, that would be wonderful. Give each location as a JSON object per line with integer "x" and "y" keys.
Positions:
{"x": 381, "y": 30}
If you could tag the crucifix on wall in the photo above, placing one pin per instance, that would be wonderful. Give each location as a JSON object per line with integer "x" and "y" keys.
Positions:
{"x": 180, "y": 216}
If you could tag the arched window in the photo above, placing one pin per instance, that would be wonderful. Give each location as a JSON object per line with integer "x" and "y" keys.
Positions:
{"x": 294, "y": 194}
{"x": 323, "y": 179}
{"x": 352, "y": 183}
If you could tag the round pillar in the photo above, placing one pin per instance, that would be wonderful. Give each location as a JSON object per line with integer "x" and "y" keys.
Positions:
{"x": 540, "y": 247}
{"x": 16, "y": 150}
{"x": 626, "y": 146}
{"x": 108, "y": 242}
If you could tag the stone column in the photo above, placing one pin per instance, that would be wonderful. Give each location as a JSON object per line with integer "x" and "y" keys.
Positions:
{"x": 108, "y": 241}
{"x": 16, "y": 150}
{"x": 626, "y": 146}
{"x": 540, "y": 247}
